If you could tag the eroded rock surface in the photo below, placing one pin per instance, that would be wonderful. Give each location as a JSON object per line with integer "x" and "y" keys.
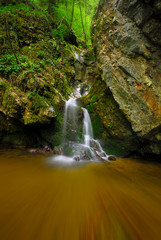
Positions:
{"x": 126, "y": 38}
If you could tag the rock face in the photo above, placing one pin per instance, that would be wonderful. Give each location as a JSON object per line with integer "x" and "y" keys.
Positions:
{"x": 127, "y": 40}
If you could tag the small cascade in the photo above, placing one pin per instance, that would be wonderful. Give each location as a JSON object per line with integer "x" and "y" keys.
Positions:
{"x": 87, "y": 128}
{"x": 77, "y": 135}
{"x": 79, "y": 57}
{"x": 98, "y": 149}
{"x": 69, "y": 120}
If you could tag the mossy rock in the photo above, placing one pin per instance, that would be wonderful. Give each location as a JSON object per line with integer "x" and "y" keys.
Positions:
{"x": 33, "y": 80}
{"x": 109, "y": 123}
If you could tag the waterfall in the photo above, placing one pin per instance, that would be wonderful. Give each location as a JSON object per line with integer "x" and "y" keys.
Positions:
{"x": 78, "y": 142}
{"x": 69, "y": 120}
{"x": 87, "y": 128}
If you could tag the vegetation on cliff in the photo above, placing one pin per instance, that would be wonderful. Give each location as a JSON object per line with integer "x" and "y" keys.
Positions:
{"x": 37, "y": 65}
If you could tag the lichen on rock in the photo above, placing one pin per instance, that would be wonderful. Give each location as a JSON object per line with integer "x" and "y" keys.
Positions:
{"x": 126, "y": 39}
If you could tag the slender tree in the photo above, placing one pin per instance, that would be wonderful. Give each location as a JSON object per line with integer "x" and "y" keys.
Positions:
{"x": 85, "y": 11}
{"x": 71, "y": 22}
{"x": 84, "y": 32}
{"x": 66, "y": 5}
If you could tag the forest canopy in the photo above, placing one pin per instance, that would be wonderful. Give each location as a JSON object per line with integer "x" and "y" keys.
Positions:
{"x": 77, "y": 15}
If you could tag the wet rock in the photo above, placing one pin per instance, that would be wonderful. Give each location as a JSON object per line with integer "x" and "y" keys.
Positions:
{"x": 157, "y": 7}
{"x": 150, "y": 29}
{"x": 44, "y": 149}
{"x": 76, "y": 158}
{"x": 86, "y": 155}
{"x": 58, "y": 150}
{"x": 128, "y": 50}
{"x": 111, "y": 158}
{"x": 33, "y": 150}
{"x": 84, "y": 89}
{"x": 101, "y": 155}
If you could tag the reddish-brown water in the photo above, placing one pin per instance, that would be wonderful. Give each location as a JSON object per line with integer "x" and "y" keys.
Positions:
{"x": 95, "y": 201}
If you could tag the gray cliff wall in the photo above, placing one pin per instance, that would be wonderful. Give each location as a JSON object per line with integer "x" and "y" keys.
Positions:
{"x": 127, "y": 41}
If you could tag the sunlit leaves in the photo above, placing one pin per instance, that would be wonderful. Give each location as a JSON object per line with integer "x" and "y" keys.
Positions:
{"x": 63, "y": 10}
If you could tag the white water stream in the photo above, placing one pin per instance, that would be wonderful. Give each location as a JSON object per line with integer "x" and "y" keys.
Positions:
{"x": 69, "y": 120}
{"x": 78, "y": 142}
{"x": 87, "y": 128}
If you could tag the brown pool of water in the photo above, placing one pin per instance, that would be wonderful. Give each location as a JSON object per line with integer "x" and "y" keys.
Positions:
{"x": 94, "y": 201}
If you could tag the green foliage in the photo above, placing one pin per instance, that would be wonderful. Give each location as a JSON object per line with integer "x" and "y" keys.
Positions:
{"x": 3, "y": 85}
{"x": 94, "y": 98}
{"x": 4, "y": 88}
{"x": 14, "y": 8}
{"x": 6, "y": 97}
{"x": 8, "y": 64}
{"x": 54, "y": 43}
{"x": 63, "y": 13}
{"x": 68, "y": 151}
{"x": 37, "y": 101}
{"x": 41, "y": 54}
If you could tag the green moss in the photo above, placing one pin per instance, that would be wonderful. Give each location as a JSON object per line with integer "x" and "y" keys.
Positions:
{"x": 4, "y": 88}
{"x": 90, "y": 108}
{"x": 38, "y": 80}
{"x": 5, "y": 98}
{"x": 31, "y": 119}
{"x": 14, "y": 8}
{"x": 3, "y": 85}
{"x": 94, "y": 98}
{"x": 37, "y": 101}
{"x": 68, "y": 151}
{"x": 53, "y": 136}
{"x": 9, "y": 64}
{"x": 97, "y": 126}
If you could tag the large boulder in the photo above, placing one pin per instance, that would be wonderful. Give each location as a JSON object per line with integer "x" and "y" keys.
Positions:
{"x": 126, "y": 37}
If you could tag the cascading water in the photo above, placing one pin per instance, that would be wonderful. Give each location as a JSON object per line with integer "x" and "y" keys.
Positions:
{"x": 87, "y": 128}
{"x": 70, "y": 121}
{"x": 77, "y": 135}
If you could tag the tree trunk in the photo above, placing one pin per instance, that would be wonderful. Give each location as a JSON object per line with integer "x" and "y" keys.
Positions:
{"x": 80, "y": 8}
{"x": 85, "y": 23}
{"x": 66, "y": 5}
{"x": 71, "y": 22}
